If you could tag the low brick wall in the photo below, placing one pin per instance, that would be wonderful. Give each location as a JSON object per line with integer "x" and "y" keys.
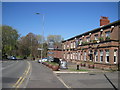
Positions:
{"x": 97, "y": 65}
{"x": 106, "y": 66}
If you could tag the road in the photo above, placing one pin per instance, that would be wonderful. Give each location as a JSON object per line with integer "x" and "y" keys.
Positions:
{"x": 11, "y": 72}
{"x": 28, "y": 74}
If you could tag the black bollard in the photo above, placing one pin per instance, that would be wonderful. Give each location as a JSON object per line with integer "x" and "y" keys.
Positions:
{"x": 77, "y": 67}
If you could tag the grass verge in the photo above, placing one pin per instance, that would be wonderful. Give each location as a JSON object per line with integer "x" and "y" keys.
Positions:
{"x": 80, "y": 70}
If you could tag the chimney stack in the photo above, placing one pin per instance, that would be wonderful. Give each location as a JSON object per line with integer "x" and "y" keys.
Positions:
{"x": 104, "y": 21}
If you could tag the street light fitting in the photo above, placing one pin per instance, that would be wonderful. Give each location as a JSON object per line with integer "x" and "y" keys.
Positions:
{"x": 37, "y": 13}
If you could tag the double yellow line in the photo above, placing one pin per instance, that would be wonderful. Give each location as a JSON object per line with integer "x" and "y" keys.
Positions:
{"x": 22, "y": 78}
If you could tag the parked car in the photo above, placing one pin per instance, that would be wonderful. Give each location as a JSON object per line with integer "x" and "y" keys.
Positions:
{"x": 43, "y": 60}
{"x": 63, "y": 64}
{"x": 12, "y": 58}
{"x": 56, "y": 60}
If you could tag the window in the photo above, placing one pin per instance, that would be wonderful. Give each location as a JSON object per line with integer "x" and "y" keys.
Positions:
{"x": 96, "y": 37}
{"x": 81, "y": 57}
{"x": 88, "y": 39}
{"x": 71, "y": 55}
{"x": 64, "y": 55}
{"x": 67, "y": 56}
{"x": 78, "y": 55}
{"x": 101, "y": 55}
{"x": 107, "y": 56}
{"x": 84, "y": 56}
{"x": 107, "y": 34}
{"x": 64, "y": 46}
{"x": 71, "y": 45}
{"x": 67, "y": 45}
{"x": 115, "y": 56}
{"x": 96, "y": 56}
{"x": 80, "y": 42}
{"x": 74, "y": 44}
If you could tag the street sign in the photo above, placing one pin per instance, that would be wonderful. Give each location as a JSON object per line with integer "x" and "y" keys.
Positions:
{"x": 39, "y": 49}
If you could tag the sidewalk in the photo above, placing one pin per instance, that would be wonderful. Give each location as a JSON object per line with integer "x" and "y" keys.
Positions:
{"x": 72, "y": 68}
{"x": 42, "y": 77}
{"x": 92, "y": 78}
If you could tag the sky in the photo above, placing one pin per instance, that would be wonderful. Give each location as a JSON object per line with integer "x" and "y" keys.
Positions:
{"x": 67, "y": 19}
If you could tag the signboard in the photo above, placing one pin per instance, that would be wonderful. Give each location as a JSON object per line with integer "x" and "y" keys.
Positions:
{"x": 51, "y": 45}
{"x": 50, "y": 52}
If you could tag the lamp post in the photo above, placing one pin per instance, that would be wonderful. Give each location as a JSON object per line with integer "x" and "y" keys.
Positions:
{"x": 42, "y": 32}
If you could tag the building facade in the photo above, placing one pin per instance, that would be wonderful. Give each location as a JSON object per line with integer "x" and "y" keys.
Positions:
{"x": 99, "y": 47}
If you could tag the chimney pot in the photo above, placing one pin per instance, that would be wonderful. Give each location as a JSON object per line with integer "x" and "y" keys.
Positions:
{"x": 104, "y": 21}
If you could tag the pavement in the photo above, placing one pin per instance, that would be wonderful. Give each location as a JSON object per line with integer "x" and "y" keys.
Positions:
{"x": 92, "y": 78}
{"x": 72, "y": 69}
{"x": 43, "y": 77}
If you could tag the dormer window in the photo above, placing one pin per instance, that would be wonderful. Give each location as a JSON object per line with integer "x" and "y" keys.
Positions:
{"x": 80, "y": 42}
{"x": 96, "y": 37}
{"x": 107, "y": 34}
{"x": 88, "y": 39}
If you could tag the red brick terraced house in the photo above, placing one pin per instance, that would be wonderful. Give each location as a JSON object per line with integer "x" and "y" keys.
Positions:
{"x": 98, "y": 47}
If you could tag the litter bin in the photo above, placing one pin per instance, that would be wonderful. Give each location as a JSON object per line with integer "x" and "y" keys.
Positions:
{"x": 63, "y": 65}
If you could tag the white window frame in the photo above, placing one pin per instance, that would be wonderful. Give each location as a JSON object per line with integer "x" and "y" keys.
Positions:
{"x": 115, "y": 55}
{"x": 78, "y": 55}
{"x": 71, "y": 56}
{"x": 101, "y": 54}
{"x": 107, "y": 54}
{"x": 96, "y": 56}
{"x": 96, "y": 37}
{"x": 107, "y": 34}
{"x": 88, "y": 39}
{"x": 67, "y": 56}
{"x": 74, "y": 44}
{"x": 80, "y": 42}
{"x": 64, "y": 46}
{"x": 64, "y": 55}
{"x": 68, "y": 45}
{"x": 85, "y": 56}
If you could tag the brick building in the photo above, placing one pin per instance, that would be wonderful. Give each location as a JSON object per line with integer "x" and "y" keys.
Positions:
{"x": 56, "y": 52}
{"x": 99, "y": 46}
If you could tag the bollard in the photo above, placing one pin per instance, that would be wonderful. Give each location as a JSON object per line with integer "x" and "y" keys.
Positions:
{"x": 77, "y": 67}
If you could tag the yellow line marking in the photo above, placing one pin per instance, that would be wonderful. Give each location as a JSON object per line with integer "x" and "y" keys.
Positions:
{"x": 22, "y": 78}
{"x": 17, "y": 81}
{"x": 20, "y": 82}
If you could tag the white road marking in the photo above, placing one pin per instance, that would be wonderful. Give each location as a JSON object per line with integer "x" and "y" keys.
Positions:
{"x": 62, "y": 81}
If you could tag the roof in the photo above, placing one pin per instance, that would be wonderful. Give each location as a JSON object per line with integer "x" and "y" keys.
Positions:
{"x": 96, "y": 30}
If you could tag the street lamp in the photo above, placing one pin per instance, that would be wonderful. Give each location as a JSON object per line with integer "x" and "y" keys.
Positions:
{"x": 42, "y": 32}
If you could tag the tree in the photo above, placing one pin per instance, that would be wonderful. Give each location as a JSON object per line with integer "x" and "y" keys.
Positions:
{"x": 9, "y": 40}
{"x": 56, "y": 39}
{"x": 28, "y": 45}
